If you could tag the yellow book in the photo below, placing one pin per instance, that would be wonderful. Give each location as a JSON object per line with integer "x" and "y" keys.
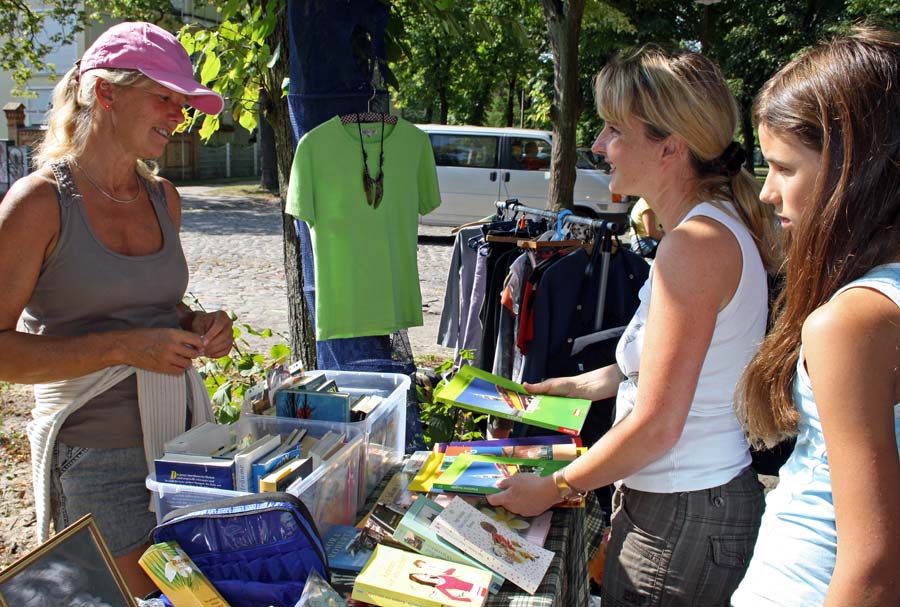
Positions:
{"x": 173, "y": 572}
{"x": 429, "y": 472}
{"x": 396, "y": 578}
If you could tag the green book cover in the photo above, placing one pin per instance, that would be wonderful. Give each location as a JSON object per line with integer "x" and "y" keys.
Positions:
{"x": 485, "y": 392}
{"x": 413, "y": 531}
{"x": 481, "y": 473}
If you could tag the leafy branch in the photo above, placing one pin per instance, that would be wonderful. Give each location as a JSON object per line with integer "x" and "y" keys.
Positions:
{"x": 228, "y": 378}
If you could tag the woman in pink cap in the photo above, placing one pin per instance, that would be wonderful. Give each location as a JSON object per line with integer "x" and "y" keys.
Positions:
{"x": 92, "y": 262}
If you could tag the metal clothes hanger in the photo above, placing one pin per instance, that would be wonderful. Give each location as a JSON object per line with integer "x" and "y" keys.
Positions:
{"x": 369, "y": 115}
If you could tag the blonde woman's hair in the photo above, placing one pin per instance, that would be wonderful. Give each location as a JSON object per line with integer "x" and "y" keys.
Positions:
{"x": 684, "y": 93}
{"x": 72, "y": 114}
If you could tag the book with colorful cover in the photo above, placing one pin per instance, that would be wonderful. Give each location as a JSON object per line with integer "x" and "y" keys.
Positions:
{"x": 484, "y": 392}
{"x": 517, "y": 441}
{"x": 481, "y": 473}
{"x": 561, "y": 452}
{"x": 532, "y": 528}
{"x": 521, "y": 562}
{"x": 414, "y": 532}
{"x": 348, "y": 548}
{"x": 395, "y": 577}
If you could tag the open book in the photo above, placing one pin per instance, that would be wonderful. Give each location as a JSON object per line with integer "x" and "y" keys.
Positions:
{"x": 484, "y": 392}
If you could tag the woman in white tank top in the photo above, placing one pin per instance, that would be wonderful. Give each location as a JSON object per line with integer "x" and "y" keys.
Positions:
{"x": 686, "y": 514}
{"x": 829, "y": 126}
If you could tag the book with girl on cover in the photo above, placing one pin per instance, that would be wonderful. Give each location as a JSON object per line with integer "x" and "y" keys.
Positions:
{"x": 396, "y": 577}
{"x": 484, "y": 392}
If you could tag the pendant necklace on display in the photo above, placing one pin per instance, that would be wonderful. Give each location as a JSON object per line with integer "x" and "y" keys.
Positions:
{"x": 374, "y": 188}
{"x": 104, "y": 192}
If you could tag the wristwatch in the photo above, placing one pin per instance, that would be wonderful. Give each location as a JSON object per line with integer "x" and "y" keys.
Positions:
{"x": 566, "y": 491}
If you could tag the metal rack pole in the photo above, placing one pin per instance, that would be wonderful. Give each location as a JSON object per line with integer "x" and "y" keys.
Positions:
{"x": 595, "y": 224}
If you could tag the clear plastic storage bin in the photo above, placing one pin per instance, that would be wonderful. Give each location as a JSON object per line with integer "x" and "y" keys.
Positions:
{"x": 384, "y": 428}
{"x": 331, "y": 491}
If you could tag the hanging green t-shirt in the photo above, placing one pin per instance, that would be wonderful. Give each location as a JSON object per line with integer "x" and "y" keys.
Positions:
{"x": 367, "y": 279}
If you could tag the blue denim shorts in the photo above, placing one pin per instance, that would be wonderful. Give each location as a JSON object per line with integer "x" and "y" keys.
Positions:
{"x": 109, "y": 484}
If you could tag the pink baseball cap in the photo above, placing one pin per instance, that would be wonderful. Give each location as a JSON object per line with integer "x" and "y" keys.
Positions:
{"x": 155, "y": 53}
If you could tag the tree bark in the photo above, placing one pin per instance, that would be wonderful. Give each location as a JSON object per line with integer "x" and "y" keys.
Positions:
{"x": 510, "y": 102}
{"x": 564, "y": 28}
{"x": 748, "y": 136}
{"x": 302, "y": 337}
{"x": 444, "y": 105}
{"x": 268, "y": 165}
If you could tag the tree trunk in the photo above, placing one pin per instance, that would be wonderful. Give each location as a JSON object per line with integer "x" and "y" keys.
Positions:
{"x": 564, "y": 27}
{"x": 445, "y": 105}
{"x": 510, "y": 102}
{"x": 302, "y": 338}
{"x": 749, "y": 139}
{"x": 268, "y": 165}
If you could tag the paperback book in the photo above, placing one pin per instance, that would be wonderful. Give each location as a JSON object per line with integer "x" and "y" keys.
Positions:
{"x": 173, "y": 572}
{"x": 415, "y": 533}
{"x": 531, "y": 528}
{"x": 521, "y": 562}
{"x": 286, "y": 475}
{"x": 395, "y": 577}
{"x": 433, "y": 467}
{"x": 348, "y": 548}
{"x": 560, "y": 447}
{"x": 477, "y": 390}
{"x": 195, "y": 470}
{"x": 481, "y": 473}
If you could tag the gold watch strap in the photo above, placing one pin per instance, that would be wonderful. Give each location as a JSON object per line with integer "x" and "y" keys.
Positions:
{"x": 566, "y": 491}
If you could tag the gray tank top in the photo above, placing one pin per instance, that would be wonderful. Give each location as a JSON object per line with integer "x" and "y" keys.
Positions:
{"x": 84, "y": 287}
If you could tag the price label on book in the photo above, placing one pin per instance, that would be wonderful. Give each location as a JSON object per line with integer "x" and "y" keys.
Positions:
{"x": 296, "y": 367}
{"x": 256, "y": 391}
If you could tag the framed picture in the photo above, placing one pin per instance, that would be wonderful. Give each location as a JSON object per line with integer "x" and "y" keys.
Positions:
{"x": 73, "y": 568}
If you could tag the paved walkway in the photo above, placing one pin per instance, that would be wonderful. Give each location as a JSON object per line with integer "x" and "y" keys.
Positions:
{"x": 234, "y": 251}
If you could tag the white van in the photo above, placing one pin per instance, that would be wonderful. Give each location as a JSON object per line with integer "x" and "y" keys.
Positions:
{"x": 477, "y": 166}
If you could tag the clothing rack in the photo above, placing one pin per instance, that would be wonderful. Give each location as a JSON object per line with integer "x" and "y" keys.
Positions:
{"x": 601, "y": 226}
{"x": 604, "y": 229}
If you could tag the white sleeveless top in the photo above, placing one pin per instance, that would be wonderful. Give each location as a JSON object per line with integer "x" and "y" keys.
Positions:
{"x": 712, "y": 449}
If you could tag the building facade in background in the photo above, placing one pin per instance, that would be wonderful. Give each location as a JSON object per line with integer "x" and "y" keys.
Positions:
{"x": 232, "y": 152}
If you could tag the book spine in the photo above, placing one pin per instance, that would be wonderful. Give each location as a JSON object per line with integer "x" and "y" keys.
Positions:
{"x": 478, "y": 490}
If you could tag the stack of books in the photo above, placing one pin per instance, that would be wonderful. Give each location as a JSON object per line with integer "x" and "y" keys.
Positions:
{"x": 437, "y": 541}
{"x": 214, "y": 456}
{"x": 307, "y": 395}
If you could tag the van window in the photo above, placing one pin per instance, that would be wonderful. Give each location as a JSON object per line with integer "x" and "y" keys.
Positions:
{"x": 528, "y": 154}
{"x": 473, "y": 151}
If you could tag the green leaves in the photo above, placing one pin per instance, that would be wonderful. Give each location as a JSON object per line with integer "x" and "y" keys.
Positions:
{"x": 227, "y": 378}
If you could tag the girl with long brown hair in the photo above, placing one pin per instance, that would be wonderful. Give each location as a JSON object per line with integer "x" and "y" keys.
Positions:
{"x": 829, "y": 126}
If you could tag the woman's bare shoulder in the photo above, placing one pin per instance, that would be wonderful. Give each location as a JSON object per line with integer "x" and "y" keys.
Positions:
{"x": 33, "y": 198}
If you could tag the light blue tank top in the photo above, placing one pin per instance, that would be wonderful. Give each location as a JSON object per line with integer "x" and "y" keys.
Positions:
{"x": 794, "y": 556}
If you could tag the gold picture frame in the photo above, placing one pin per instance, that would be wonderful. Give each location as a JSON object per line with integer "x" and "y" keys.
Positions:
{"x": 73, "y": 567}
